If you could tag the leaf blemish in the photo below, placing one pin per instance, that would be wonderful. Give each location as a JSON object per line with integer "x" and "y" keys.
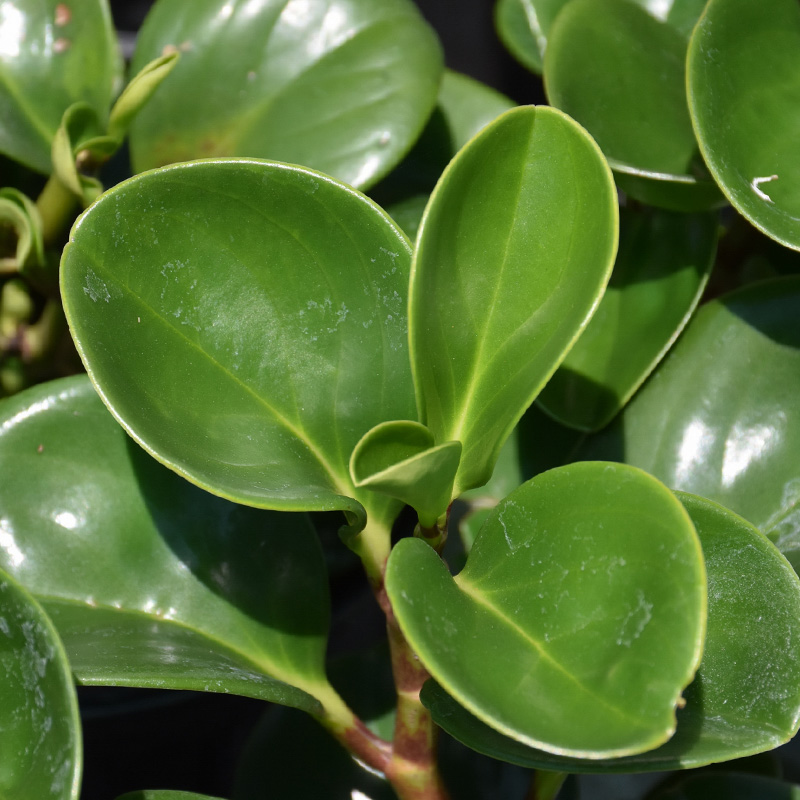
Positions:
{"x": 756, "y": 182}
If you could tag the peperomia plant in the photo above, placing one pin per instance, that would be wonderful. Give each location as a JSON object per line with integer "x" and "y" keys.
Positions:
{"x": 601, "y": 582}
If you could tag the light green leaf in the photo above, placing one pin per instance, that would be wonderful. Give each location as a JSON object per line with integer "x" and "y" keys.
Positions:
{"x": 232, "y": 314}
{"x": 515, "y": 249}
{"x": 344, "y": 88}
{"x": 745, "y": 697}
{"x": 743, "y": 78}
{"x": 53, "y": 55}
{"x": 619, "y": 71}
{"x": 19, "y": 213}
{"x": 563, "y": 600}
{"x": 40, "y": 733}
{"x": 720, "y": 417}
{"x": 79, "y": 126}
{"x": 149, "y": 580}
{"x": 661, "y": 270}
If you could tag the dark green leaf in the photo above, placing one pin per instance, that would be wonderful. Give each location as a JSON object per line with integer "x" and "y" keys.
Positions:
{"x": 661, "y": 270}
{"x": 164, "y": 794}
{"x": 744, "y": 96}
{"x": 344, "y": 88}
{"x": 232, "y": 314}
{"x": 52, "y": 54}
{"x": 511, "y": 259}
{"x": 746, "y": 696}
{"x": 563, "y": 600}
{"x": 40, "y": 735}
{"x": 149, "y": 580}
{"x": 733, "y": 786}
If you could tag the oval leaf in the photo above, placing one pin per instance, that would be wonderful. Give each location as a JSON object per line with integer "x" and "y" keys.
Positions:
{"x": 620, "y": 72}
{"x": 661, "y": 270}
{"x": 52, "y": 54}
{"x": 745, "y": 697}
{"x": 235, "y": 331}
{"x": 510, "y": 262}
{"x": 597, "y": 637}
{"x": 344, "y": 88}
{"x": 40, "y": 733}
{"x": 151, "y": 581}
{"x": 720, "y": 418}
{"x": 744, "y": 97}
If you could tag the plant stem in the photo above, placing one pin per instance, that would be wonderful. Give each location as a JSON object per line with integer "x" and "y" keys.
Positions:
{"x": 372, "y": 546}
{"x": 57, "y": 206}
{"x": 546, "y": 785}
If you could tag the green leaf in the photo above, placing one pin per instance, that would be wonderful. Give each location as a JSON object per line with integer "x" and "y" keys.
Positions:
{"x": 19, "y": 213}
{"x": 732, "y": 786}
{"x": 515, "y": 249}
{"x": 149, "y": 580}
{"x": 40, "y": 733}
{"x": 164, "y": 794}
{"x": 563, "y": 600}
{"x": 661, "y": 270}
{"x": 745, "y": 697}
{"x": 342, "y": 88}
{"x": 620, "y": 72}
{"x": 53, "y": 54}
{"x": 743, "y": 78}
{"x": 720, "y": 417}
{"x": 400, "y": 459}
{"x": 232, "y": 314}
{"x": 79, "y": 125}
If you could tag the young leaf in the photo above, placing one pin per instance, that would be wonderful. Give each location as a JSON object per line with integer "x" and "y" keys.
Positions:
{"x": 400, "y": 459}
{"x": 720, "y": 418}
{"x": 54, "y": 54}
{"x": 40, "y": 733}
{"x": 661, "y": 270}
{"x": 745, "y": 697}
{"x": 584, "y": 591}
{"x": 246, "y": 322}
{"x": 515, "y": 249}
{"x": 342, "y": 88}
{"x": 19, "y": 213}
{"x": 620, "y": 72}
{"x": 743, "y": 77}
{"x": 149, "y": 580}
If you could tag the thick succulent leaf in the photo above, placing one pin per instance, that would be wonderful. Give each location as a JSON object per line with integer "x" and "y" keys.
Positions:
{"x": 18, "y": 213}
{"x": 246, "y": 322}
{"x": 342, "y": 86}
{"x": 563, "y": 600}
{"x": 720, "y": 418}
{"x": 662, "y": 266}
{"x": 513, "y": 254}
{"x": 149, "y": 580}
{"x": 620, "y": 71}
{"x": 400, "y": 459}
{"x": 745, "y": 697}
{"x": 40, "y": 734}
{"x": 744, "y": 96}
{"x": 52, "y": 54}
{"x": 730, "y": 786}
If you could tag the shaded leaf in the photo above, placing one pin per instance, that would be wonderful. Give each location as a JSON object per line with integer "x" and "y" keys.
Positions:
{"x": 19, "y": 213}
{"x": 149, "y": 580}
{"x": 732, "y": 786}
{"x": 40, "y": 735}
{"x": 562, "y": 599}
{"x": 496, "y": 300}
{"x": 164, "y": 794}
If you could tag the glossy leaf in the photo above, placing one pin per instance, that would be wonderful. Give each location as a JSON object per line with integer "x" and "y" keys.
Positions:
{"x": 720, "y": 417}
{"x": 400, "y": 459}
{"x": 40, "y": 735}
{"x": 619, "y": 71}
{"x": 235, "y": 331}
{"x": 744, "y": 96}
{"x": 149, "y": 580}
{"x": 730, "y": 786}
{"x": 662, "y": 266}
{"x": 342, "y": 86}
{"x": 563, "y": 600}
{"x": 745, "y": 697}
{"x": 79, "y": 126}
{"x": 510, "y": 262}
{"x": 52, "y": 55}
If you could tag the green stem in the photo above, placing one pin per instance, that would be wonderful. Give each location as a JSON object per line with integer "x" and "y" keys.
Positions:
{"x": 546, "y": 785}
{"x": 57, "y": 207}
{"x": 372, "y": 546}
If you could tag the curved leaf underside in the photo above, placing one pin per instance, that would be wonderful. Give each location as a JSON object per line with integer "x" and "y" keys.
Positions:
{"x": 149, "y": 580}
{"x": 563, "y": 630}
{"x": 246, "y": 322}
{"x": 745, "y": 698}
{"x": 342, "y": 86}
